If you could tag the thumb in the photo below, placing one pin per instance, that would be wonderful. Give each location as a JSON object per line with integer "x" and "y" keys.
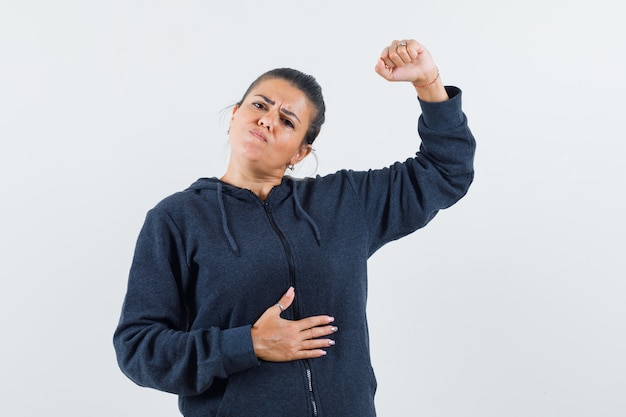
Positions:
{"x": 286, "y": 300}
{"x": 382, "y": 69}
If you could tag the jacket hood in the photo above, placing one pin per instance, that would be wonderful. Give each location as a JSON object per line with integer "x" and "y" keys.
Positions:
{"x": 215, "y": 186}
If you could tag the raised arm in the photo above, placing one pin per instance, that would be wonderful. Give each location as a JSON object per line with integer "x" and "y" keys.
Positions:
{"x": 404, "y": 197}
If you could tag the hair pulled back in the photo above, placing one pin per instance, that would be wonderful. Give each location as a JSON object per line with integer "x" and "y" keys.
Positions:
{"x": 305, "y": 83}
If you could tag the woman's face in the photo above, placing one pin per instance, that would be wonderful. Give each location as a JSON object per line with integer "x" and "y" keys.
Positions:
{"x": 268, "y": 128}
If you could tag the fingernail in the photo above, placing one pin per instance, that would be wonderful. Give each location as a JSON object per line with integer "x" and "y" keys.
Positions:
{"x": 331, "y": 319}
{"x": 334, "y": 328}
{"x": 331, "y": 343}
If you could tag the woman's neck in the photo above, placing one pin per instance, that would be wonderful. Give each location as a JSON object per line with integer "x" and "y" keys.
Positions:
{"x": 259, "y": 185}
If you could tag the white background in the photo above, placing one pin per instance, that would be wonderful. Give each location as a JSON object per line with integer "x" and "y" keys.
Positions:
{"x": 511, "y": 303}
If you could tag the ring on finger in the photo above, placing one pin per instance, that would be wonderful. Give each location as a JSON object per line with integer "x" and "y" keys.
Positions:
{"x": 281, "y": 307}
{"x": 402, "y": 43}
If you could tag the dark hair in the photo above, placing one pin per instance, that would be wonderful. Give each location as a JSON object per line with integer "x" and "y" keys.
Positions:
{"x": 305, "y": 83}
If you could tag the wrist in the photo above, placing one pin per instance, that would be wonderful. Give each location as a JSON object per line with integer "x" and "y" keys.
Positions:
{"x": 431, "y": 91}
{"x": 434, "y": 79}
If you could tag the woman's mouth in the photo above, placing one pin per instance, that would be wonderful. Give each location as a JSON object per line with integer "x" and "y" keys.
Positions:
{"x": 258, "y": 135}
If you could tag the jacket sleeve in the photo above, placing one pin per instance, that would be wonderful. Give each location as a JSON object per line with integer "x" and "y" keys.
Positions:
{"x": 153, "y": 345}
{"x": 404, "y": 197}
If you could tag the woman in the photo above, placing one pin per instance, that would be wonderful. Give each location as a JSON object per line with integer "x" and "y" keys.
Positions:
{"x": 247, "y": 294}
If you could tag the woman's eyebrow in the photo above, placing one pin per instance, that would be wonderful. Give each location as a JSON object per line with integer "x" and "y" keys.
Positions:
{"x": 272, "y": 102}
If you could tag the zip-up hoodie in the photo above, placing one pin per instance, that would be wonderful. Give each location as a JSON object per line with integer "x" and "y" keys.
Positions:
{"x": 211, "y": 259}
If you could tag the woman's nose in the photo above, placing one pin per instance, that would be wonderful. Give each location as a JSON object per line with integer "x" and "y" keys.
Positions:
{"x": 267, "y": 120}
{"x": 263, "y": 123}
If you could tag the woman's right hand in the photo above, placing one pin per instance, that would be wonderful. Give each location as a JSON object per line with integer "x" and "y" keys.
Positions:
{"x": 278, "y": 340}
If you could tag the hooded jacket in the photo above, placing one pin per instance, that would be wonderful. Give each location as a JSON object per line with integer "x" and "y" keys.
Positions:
{"x": 211, "y": 259}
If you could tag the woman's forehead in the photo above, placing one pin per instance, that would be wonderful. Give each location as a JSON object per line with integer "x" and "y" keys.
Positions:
{"x": 281, "y": 92}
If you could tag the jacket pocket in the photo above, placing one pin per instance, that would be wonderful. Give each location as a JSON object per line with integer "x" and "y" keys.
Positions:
{"x": 269, "y": 390}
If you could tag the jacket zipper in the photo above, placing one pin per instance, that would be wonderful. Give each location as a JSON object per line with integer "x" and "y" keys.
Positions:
{"x": 296, "y": 310}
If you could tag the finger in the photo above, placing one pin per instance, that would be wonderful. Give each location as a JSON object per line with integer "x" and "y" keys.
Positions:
{"x": 317, "y": 344}
{"x": 382, "y": 69}
{"x": 315, "y": 332}
{"x": 386, "y": 59}
{"x": 402, "y": 49}
{"x": 394, "y": 53}
{"x": 413, "y": 48}
{"x": 286, "y": 300}
{"x": 314, "y": 321}
{"x": 310, "y": 354}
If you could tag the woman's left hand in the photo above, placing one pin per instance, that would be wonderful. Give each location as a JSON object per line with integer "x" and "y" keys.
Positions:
{"x": 410, "y": 61}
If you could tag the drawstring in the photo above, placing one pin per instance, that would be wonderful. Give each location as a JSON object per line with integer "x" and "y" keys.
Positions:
{"x": 220, "y": 202}
{"x": 299, "y": 209}
{"x": 304, "y": 214}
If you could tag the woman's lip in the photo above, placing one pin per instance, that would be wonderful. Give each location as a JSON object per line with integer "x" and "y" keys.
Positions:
{"x": 258, "y": 135}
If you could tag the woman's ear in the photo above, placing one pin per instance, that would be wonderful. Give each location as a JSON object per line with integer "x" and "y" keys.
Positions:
{"x": 302, "y": 153}
{"x": 232, "y": 116}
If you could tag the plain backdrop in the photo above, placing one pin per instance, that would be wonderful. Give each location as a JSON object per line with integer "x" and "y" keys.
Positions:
{"x": 510, "y": 303}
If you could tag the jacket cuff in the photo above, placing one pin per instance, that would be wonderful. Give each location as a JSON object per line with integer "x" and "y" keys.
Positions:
{"x": 443, "y": 115}
{"x": 237, "y": 349}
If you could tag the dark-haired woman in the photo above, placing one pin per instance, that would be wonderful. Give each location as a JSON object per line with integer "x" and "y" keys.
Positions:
{"x": 247, "y": 294}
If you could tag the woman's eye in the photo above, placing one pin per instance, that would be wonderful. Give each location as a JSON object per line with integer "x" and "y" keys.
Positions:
{"x": 258, "y": 105}
{"x": 288, "y": 123}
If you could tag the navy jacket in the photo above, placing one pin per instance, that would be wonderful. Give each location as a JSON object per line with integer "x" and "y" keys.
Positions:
{"x": 211, "y": 259}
